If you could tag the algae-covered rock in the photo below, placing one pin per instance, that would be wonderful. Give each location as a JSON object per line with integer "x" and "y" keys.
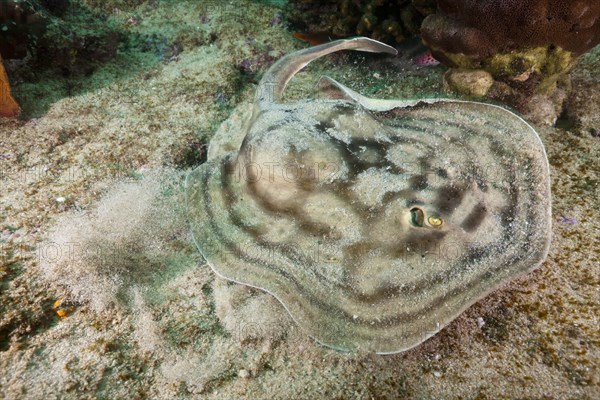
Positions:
{"x": 388, "y": 21}
{"x": 469, "y": 82}
{"x": 58, "y": 34}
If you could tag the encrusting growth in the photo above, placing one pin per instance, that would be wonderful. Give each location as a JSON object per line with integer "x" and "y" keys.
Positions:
{"x": 8, "y": 106}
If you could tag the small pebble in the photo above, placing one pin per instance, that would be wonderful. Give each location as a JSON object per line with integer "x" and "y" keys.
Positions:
{"x": 60, "y": 199}
{"x": 243, "y": 373}
{"x": 480, "y": 322}
{"x": 568, "y": 221}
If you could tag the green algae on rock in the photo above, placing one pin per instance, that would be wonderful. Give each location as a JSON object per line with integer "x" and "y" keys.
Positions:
{"x": 374, "y": 222}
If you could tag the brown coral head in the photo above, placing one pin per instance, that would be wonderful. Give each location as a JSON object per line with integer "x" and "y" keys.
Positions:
{"x": 481, "y": 28}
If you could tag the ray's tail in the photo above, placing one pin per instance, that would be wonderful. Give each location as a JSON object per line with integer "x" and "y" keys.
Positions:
{"x": 273, "y": 83}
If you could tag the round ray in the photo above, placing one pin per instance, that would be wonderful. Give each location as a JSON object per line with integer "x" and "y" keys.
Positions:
{"x": 374, "y": 227}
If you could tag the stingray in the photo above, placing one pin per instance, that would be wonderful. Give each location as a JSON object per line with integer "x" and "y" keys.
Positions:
{"x": 374, "y": 222}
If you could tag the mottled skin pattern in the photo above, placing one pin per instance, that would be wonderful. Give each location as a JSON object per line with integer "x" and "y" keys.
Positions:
{"x": 374, "y": 229}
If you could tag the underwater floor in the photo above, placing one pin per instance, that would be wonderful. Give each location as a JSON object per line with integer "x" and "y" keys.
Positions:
{"x": 103, "y": 294}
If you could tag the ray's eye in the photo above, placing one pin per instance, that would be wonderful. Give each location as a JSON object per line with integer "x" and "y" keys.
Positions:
{"x": 417, "y": 217}
{"x": 435, "y": 221}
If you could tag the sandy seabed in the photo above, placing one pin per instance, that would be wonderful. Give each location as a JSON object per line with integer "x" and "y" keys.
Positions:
{"x": 144, "y": 317}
